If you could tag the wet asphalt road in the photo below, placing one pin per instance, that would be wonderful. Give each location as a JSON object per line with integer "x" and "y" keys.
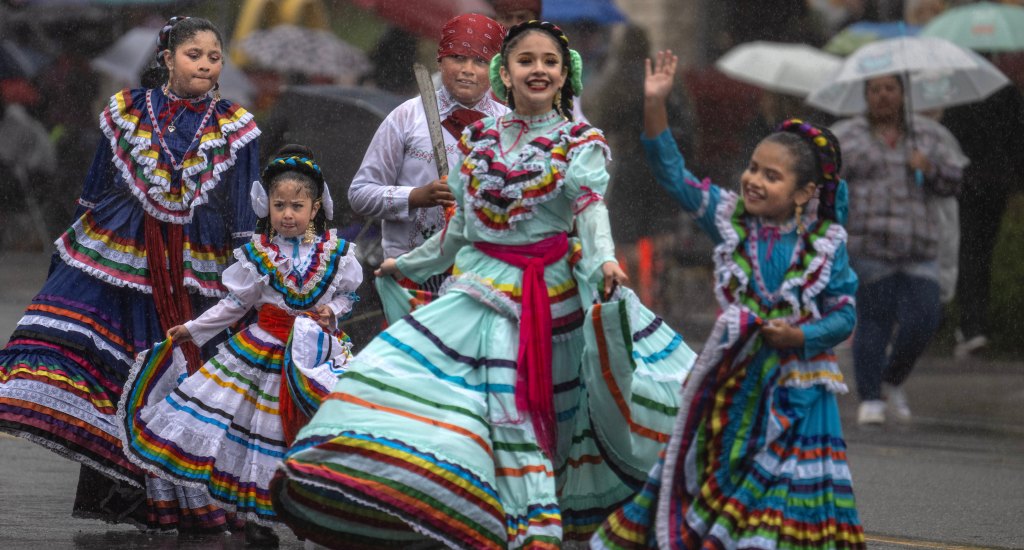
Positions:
{"x": 954, "y": 478}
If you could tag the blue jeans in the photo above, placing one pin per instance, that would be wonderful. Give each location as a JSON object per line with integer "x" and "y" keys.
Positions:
{"x": 896, "y": 318}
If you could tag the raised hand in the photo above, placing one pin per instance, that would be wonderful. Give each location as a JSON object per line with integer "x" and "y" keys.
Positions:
{"x": 658, "y": 79}
{"x": 660, "y": 75}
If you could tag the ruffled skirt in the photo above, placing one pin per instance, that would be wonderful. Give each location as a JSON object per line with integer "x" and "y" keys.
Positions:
{"x": 753, "y": 463}
{"x": 421, "y": 438}
{"x": 220, "y": 429}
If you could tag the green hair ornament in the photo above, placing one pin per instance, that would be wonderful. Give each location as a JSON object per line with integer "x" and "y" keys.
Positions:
{"x": 495, "y": 75}
{"x": 576, "y": 71}
{"x": 575, "y": 74}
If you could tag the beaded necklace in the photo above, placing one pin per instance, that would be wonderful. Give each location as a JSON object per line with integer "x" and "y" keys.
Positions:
{"x": 160, "y": 134}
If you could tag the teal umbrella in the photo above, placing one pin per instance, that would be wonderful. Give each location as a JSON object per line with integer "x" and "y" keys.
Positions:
{"x": 864, "y": 32}
{"x": 984, "y": 26}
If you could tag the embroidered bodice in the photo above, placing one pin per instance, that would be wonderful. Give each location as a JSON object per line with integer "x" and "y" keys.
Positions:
{"x": 291, "y": 275}
{"x": 171, "y": 173}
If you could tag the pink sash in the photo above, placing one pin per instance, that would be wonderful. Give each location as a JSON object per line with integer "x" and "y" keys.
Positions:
{"x": 534, "y": 385}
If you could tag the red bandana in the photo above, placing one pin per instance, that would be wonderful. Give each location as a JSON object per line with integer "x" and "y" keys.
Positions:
{"x": 471, "y": 35}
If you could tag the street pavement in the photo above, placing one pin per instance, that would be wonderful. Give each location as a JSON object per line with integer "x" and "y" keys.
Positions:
{"x": 953, "y": 478}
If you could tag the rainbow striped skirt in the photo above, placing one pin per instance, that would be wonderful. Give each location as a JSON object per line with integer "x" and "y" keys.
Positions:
{"x": 754, "y": 462}
{"x": 220, "y": 428}
{"x": 421, "y": 439}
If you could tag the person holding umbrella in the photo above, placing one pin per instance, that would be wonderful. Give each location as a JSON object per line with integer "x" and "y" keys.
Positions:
{"x": 896, "y": 163}
{"x": 398, "y": 181}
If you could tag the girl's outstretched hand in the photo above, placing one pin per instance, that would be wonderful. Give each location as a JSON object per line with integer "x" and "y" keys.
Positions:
{"x": 179, "y": 334}
{"x": 388, "y": 267}
{"x": 660, "y": 75}
{"x": 613, "y": 275}
{"x": 780, "y": 334}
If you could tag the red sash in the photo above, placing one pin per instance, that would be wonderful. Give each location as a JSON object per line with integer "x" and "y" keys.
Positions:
{"x": 534, "y": 382}
{"x": 278, "y": 323}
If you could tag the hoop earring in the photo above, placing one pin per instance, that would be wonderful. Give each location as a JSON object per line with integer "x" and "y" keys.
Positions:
{"x": 310, "y": 233}
{"x": 799, "y": 219}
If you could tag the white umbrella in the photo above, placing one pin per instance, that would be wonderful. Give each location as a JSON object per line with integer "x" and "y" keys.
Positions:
{"x": 941, "y": 73}
{"x": 125, "y": 60}
{"x": 793, "y": 69}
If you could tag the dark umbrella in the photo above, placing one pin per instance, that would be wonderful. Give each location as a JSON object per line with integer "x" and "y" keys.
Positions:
{"x": 423, "y": 17}
{"x": 292, "y": 49}
{"x": 337, "y": 123}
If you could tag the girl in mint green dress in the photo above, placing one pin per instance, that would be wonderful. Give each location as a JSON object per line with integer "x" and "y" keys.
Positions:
{"x": 518, "y": 409}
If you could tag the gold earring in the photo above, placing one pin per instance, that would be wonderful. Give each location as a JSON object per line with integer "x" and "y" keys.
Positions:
{"x": 310, "y": 233}
{"x": 272, "y": 234}
{"x": 558, "y": 102}
{"x": 799, "y": 219}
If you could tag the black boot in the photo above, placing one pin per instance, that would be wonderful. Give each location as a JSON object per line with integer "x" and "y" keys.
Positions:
{"x": 260, "y": 536}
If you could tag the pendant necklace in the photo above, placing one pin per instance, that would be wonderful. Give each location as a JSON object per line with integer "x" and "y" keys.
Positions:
{"x": 171, "y": 127}
{"x": 160, "y": 135}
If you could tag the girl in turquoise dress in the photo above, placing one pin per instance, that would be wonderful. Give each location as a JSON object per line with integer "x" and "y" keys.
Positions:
{"x": 757, "y": 457}
{"x": 475, "y": 421}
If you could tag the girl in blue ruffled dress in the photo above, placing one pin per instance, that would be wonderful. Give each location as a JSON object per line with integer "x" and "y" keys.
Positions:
{"x": 757, "y": 457}
{"x": 164, "y": 204}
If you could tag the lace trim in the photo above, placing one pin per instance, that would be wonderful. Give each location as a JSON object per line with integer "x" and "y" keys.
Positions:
{"x": 55, "y": 325}
{"x": 330, "y": 253}
{"x": 116, "y": 278}
{"x": 537, "y": 172}
{"x": 799, "y": 292}
{"x": 121, "y": 120}
{"x": 484, "y": 292}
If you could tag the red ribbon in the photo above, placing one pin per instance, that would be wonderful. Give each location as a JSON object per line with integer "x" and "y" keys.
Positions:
{"x": 279, "y": 323}
{"x": 770, "y": 234}
{"x": 165, "y": 261}
{"x": 168, "y": 115}
{"x": 534, "y": 382}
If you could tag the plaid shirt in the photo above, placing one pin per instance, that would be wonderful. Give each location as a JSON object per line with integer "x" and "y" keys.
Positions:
{"x": 892, "y": 218}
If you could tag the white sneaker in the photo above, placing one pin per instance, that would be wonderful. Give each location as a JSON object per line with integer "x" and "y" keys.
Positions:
{"x": 897, "y": 403}
{"x": 965, "y": 347}
{"x": 871, "y": 412}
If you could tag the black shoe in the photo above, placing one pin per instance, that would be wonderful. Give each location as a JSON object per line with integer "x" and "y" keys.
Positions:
{"x": 260, "y": 536}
